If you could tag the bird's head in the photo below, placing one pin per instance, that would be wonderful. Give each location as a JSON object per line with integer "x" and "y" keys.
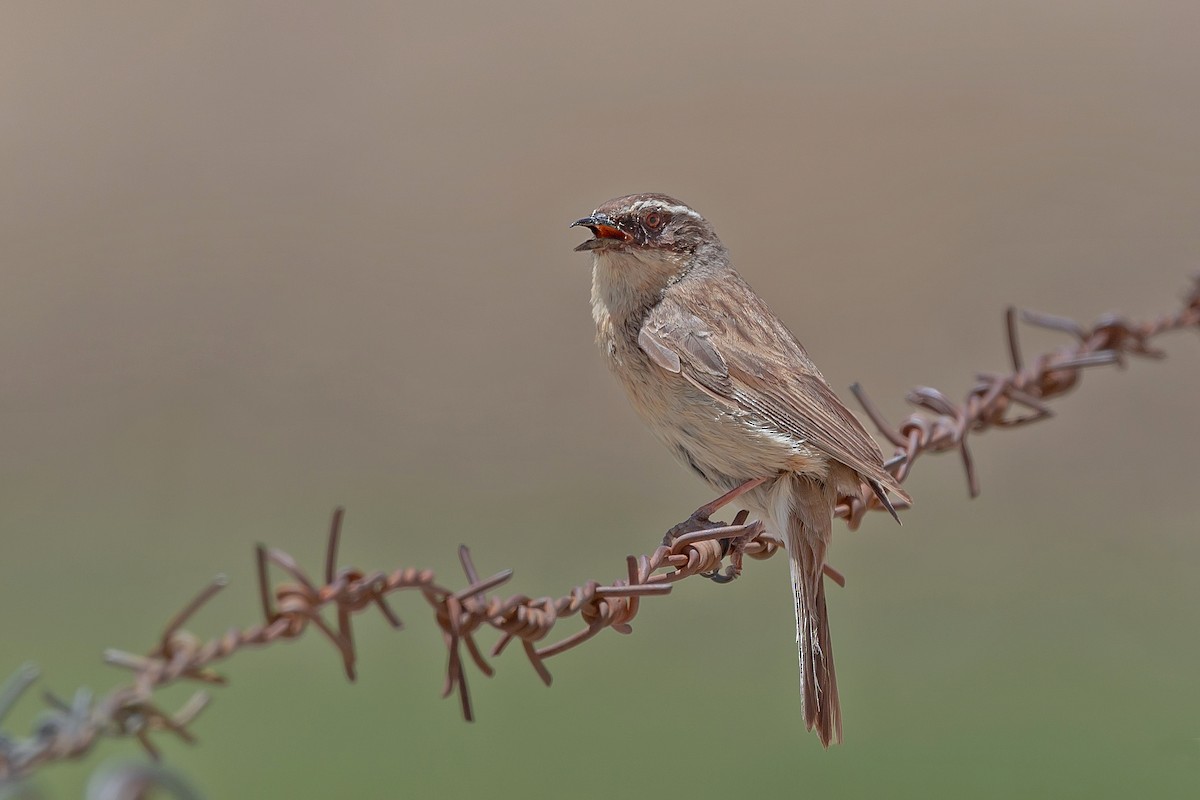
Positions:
{"x": 644, "y": 243}
{"x": 647, "y": 227}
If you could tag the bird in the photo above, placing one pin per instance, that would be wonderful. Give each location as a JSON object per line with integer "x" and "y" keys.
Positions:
{"x": 731, "y": 392}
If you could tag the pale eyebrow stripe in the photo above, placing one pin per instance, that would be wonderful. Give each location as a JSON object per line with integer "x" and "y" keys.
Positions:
{"x": 670, "y": 209}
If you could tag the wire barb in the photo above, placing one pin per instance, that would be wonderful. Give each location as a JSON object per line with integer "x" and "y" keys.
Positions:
{"x": 696, "y": 546}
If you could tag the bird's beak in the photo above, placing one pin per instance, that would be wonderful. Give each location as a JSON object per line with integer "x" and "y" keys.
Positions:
{"x": 605, "y": 231}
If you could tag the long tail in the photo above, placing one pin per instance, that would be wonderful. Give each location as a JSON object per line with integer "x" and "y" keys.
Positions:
{"x": 802, "y": 510}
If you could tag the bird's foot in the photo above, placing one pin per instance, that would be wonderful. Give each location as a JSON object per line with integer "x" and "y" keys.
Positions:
{"x": 692, "y": 524}
{"x": 700, "y": 520}
{"x": 734, "y": 548}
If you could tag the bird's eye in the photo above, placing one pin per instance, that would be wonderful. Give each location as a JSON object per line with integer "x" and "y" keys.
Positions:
{"x": 653, "y": 221}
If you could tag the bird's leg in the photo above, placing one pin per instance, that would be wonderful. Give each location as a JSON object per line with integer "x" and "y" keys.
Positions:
{"x": 700, "y": 518}
{"x": 735, "y": 547}
{"x": 707, "y": 510}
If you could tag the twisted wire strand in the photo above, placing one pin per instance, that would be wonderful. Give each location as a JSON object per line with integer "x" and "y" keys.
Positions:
{"x": 696, "y": 546}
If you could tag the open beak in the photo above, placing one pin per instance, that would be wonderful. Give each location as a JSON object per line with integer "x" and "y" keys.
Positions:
{"x": 604, "y": 231}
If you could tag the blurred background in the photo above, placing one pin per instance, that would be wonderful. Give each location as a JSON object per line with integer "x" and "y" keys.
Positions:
{"x": 262, "y": 259}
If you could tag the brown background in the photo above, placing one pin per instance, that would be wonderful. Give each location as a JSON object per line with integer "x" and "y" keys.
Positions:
{"x": 262, "y": 259}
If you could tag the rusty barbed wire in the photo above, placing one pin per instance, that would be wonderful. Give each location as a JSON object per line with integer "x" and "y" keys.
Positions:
{"x": 696, "y": 546}
{"x": 995, "y": 398}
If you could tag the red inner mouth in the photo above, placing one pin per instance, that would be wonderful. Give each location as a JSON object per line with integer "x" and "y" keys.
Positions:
{"x": 609, "y": 232}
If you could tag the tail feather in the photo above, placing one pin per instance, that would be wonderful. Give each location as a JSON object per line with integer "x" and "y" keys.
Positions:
{"x": 802, "y": 510}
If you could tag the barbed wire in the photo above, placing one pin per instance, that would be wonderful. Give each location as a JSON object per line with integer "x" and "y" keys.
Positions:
{"x": 696, "y": 546}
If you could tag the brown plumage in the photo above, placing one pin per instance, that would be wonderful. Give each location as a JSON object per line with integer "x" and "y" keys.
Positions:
{"x": 728, "y": 388}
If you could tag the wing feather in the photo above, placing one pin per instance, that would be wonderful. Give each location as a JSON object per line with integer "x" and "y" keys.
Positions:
{"x": 752, "y": 362}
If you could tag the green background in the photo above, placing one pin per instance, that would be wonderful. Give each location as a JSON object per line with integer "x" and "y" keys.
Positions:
{"x": 263, "y": 259}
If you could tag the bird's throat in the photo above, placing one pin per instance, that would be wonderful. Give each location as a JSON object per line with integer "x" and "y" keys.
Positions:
{"x": 628, "y": 283}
